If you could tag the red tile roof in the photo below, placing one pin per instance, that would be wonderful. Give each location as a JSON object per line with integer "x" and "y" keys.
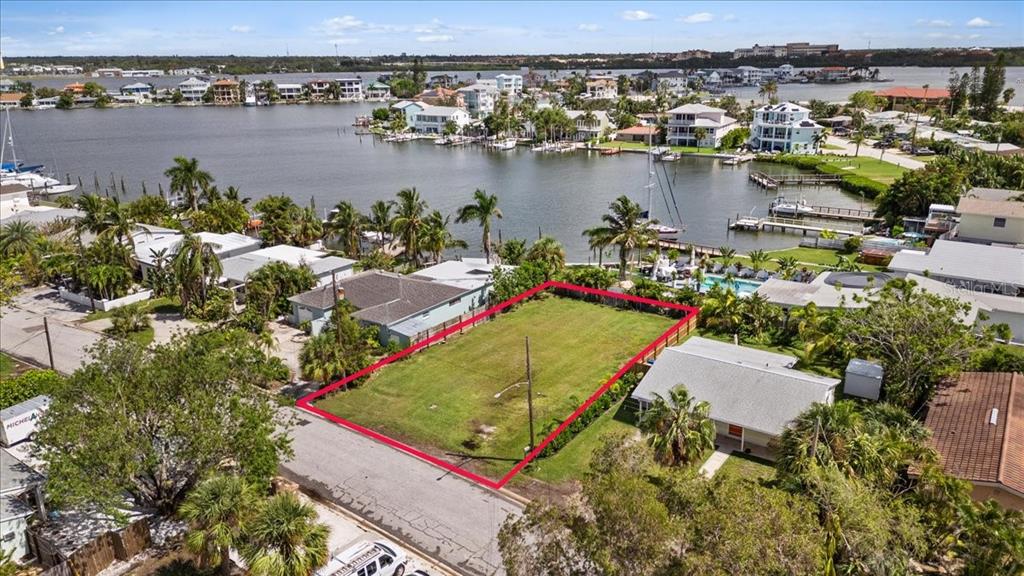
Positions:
{"x": 225, "y": 82}
{"x": 918, "y": 93}
{"x": 970, "y": 445}
{"x": 639, "y": 130}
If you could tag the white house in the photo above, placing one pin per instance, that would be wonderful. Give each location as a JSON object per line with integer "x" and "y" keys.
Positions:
{"x": 749, "y": 75}
{"x": 675, "y": 82}
{"x": 511, "y": 83}
{"x": 988, "y": 221}
{"x": 684, "y": 121}
{"x": 978, "y": 267}
{"x": 588, "y": 129}
{"x": 351, "y": 88}
{"x": 783, "y": 127}
{"x": 21, "y": 498}
{"x": 325, "y": 267}
{"x": 289, "y": 91}
{"x": 432, "y": 119}
{"x": 153, "y": 243}
{"x": 468, "y": 273}
{"x": 479, "y": 98}
{"x": 754, "y": 395}
{"x": 378, "y": 91}
{"x": 602, "y": 86}
{"x": 138, "y": 88}
{"x": 409, "y": 108}
{"x": 193, "y": 89}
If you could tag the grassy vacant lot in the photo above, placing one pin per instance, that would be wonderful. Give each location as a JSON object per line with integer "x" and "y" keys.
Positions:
{"x": 443, "y": 399}
{"x": 873, "y": 168}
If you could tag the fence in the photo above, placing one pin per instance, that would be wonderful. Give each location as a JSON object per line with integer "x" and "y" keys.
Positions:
{"x": 425, "y": 334}
{"x": 837, "y": 244}
{"x": 94, "y": 556}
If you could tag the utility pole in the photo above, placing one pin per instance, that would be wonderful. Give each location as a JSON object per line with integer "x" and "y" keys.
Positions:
{"x": 49, "y": 350}
{"x": 529, "y": 391}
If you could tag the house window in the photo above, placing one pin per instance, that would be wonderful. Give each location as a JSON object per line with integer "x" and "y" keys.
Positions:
{"x": 999, "y": 223}
{"x": 735, "y": 430}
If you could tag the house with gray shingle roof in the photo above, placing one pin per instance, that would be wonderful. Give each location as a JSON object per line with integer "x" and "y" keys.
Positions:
{"x": 753, "y": 394}
{"x": 406, "y": 309}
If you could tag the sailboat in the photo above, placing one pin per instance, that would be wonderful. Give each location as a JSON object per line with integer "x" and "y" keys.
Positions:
{"x": 664, "y": 231}
{"x": 32, "y": 177}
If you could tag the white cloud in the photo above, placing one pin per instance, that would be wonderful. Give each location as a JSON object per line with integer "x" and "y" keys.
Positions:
{"x": 698, "y": 18}
{"x": 436, "y": 38}
{"x": 57, "y": 30}
{"x": 637, "y": 15}
{"x": 934, "y": 23}
{"x": 728, "y": 18}
{"x": 344, "y": 41}
{"x": 340, "y": 24}
{"x": 978, "y": 22}
{"x": 589, "y": 27}
{"x": 241, "y": 28}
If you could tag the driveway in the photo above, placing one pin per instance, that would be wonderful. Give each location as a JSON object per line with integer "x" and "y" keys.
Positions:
{"x": 866, "y": 151}
{"x": 440, "y": 514}
{"x": 22, "y": 335}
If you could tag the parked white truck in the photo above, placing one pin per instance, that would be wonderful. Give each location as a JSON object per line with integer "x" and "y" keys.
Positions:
{"x": 18, "y": 422}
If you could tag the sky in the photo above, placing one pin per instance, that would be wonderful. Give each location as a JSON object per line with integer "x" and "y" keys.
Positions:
{"x": 82, "y": 28}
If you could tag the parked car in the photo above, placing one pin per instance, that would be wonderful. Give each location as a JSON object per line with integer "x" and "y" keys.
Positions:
{"x": 378, "y": 558}
{"x": 882, "y": 144}
{"x": 925, "y": 152}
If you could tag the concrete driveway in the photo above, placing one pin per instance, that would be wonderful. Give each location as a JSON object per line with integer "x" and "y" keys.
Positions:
{"x": 22, "y": 336}
{"x": 442, "y": 515}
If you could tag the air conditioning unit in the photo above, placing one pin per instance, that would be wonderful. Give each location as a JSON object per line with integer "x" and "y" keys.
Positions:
{"x": 863, "y": 379}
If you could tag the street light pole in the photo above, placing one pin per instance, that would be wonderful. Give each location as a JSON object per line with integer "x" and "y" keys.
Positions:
{"x": 529, "y": 391}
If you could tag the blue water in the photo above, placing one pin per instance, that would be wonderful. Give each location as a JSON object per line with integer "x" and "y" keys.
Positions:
{"x": 740, "y": 286}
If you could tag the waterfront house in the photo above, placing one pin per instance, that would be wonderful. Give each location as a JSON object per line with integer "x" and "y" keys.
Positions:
{"x": 588, "y": 129}
{"x": 7, "y": 85}
{"x": 289, "y": 92}
{"x": 468, "y": 273}
{"x": 645, "y": 134}
{"x": 979, "y": 267}
{"x": 378, "y": 91}
{"x": 509, "y": 83}
{"x": 684, "y": 121}
{"x": 225, "y": 91}
{"x": 675, "y": 82}
{"x": 479, "y": 98}
{"x": 10, "y": 99}
{"x": 193, "y": 89}
{"x": 977, "y": 425}
{"x": 754, "y": 395}
{"x": 107, "y": 73}
{"x": 749, "y": 75}
{"x": 137, "y": 89}
{"x": 441, "y": 97}
{"x": 154, "y": 242}
{"x": 783, "y": 127}
{"x": 404, "y": 309}
{"x": 409, "y": 109}
{"x": 151, "y": 73}
{"x": 326, "y": 268}
{"x": 187, "y": 72}
{"x": 75, "y": 88}
{"x": 833, "y": 74}
{"x": 432, "y": 119}
{"x": 902, "y": 97}
{"x": 351, "y": 88}
{"x": 602, "y": 86}
{"x": 318, "y": 89}
{"x": 989, "y": 221}
{"x": 443, "y": 80}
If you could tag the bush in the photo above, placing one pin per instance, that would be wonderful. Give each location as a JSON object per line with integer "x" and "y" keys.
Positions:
{"x": 619, "y": 390}
{"x": 129, "y": 319}
{"x": 29, "y": 385}
{"x": 219, "y": 303}
{"x": 852, "y": 244}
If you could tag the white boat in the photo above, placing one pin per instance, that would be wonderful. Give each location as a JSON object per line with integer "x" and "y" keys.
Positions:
{"x": 506, "y": 144}
{"x": 669, "y": 157}
{"x": 664, "y": 232}
{"x": 33, "y": 179}
{"x": 780, "y": 206}
{"x": 442, "y": 141}
{"x": 731, "y": 161}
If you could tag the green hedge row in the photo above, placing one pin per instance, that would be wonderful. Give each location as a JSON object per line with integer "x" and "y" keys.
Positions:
{"x": 619, "y": 390}
{"x": 850, "y": 182}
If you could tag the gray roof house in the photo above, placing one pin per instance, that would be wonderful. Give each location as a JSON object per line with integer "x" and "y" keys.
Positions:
{"x": 978, "y": 267}
{"x": 323, "y": 265}
{"x": 21, "y": 497}
{"x": 753, "y": 394}
{"x": 405, "y": 308}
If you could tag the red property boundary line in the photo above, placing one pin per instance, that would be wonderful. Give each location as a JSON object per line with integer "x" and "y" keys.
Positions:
{"x": 305, "y": 403}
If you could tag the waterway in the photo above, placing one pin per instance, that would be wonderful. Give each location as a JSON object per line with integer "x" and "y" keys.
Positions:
{"x": 311, "y": 153}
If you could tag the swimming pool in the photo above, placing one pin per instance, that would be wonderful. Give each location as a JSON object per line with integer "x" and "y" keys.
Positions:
{"x": 741, "y": 286}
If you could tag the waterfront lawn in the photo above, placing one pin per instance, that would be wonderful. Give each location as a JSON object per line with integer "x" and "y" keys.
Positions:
{"x": 871, "y": 168}
{"x": 643, "y": 146}
{"x": 443, "y": 399}
{"x": 747, "y": 466}
{"x": 814, "y": 259}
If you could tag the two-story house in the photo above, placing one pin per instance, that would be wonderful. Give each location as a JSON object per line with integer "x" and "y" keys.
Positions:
{"x": 783, "y": 127}
{"x": 987, "y": 221}
{"x": 685, "y": 122}
{"x": 193, "y": 89}
{"x": 589, "y": 125}
{"x": 225, "y": 91}
{"x": 351, "y": 88}
{"x": 432, "y": 119}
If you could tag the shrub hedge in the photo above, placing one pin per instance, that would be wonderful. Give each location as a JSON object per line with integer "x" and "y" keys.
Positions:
{"x": 619, "y": 390}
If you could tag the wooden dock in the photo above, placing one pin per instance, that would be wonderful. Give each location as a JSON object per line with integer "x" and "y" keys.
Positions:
{"x": 775, "y": 223}
{"x": 686, "y": 247}
{"x": 773, "y": 182}
{"x": 849, "y": 214}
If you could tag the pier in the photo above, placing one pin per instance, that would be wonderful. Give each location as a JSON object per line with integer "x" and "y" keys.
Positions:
{"x": 686, "y": 247}
{"x": 849, "y": 214}
{"x": 775, "y": 223}
{"x": 774, "y": 182}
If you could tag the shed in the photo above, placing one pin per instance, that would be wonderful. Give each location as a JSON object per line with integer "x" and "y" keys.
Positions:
{"x": 863, "y": 379}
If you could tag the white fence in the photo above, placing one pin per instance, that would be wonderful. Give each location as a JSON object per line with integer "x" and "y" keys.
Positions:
{"x": 105, "y": 305}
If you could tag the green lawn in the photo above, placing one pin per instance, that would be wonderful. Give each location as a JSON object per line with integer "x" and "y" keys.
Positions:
{"x": 573, "y": 460}
{"x": 746, "y": 466}
{"x": 443, "y": 399}
{"x": 872, "y": 168}
{"x": 643, "y": 146}
{"x": 6, "y": 365}
{"x": 832, "y": 147}
{"x": 815, "y": 259}
{"x": 164, "y": 305}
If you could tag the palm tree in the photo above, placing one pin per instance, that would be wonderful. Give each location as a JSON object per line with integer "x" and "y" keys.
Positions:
{"x": 93, "y": 210}
{"x": 548, "y": 252}
{"x": 234, "y": 195}
{"x": 787, "y": 266}
{"x": 481, "y": 210}
{"x": 285, "y": 539}
{"x": 858, "y": 139}
{"x": 216, "y": 512}
{"x": 19, "y": 237}
{"x": 727, "y": 256}
{"x": 700, "y": 134}
{"x": 758, "y": 259}
{"x": 308, "y": 228}
{"x": 120, "y": 224}
{"x": 380, "y": 220}
{"x": 409, "y": 222}
{"x": 760, "y": 314}
{"x": 188, "y": 179}
{"x": 321, "y": 358}
{"x": 346, "y": 223}
{"x": 437, "y": 237}
{"x": 624, "y": 227}
{"x": 723, "y": 309}
{"x": 196, "y": 268}
{"x": 679, "y": 429}
{"x": 819, "y": 140}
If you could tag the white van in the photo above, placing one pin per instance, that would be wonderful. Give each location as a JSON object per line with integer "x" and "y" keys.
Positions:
{"x": 380, "y": 558}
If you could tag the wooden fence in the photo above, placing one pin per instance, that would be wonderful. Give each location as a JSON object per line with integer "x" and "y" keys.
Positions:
{"x": 674, "y": 338}
{"x": 95, "y": 556}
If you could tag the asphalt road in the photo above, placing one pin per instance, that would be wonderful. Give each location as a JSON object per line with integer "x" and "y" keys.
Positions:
{"x": 22, "y": 336}
{"x": 443, "y": 515}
